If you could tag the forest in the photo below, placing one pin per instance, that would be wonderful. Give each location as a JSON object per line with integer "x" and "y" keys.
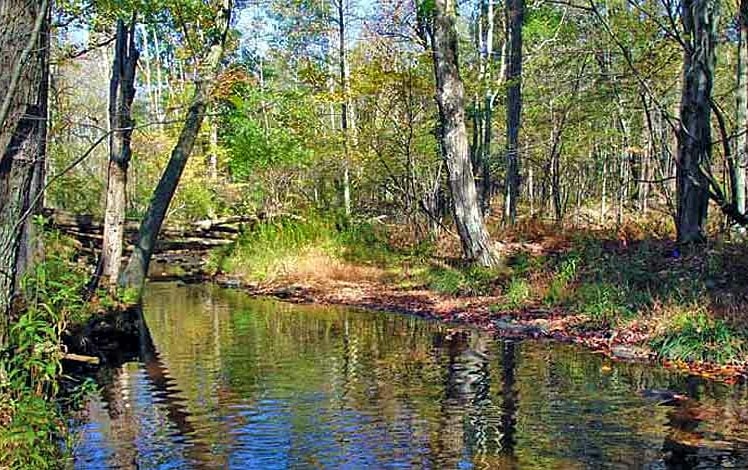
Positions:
{"x": 564, "y": 169}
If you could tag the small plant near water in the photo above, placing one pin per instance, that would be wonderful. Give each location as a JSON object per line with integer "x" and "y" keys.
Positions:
{"x": 264, "y": 251}
{"x": 523, "y": 263}
{"x": 696, "y": 336}
{"x": 446, "y": 280}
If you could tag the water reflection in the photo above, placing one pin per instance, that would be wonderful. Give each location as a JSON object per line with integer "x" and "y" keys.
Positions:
{"x": 224, "y": 381}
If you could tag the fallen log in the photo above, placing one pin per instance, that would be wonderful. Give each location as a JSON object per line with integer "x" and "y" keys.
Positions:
{"x": 81, "y": 358}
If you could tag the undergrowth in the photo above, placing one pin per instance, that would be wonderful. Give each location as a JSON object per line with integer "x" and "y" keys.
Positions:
{"x": 33, "y": 431}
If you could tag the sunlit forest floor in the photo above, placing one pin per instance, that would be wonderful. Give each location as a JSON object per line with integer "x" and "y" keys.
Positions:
{"x": 628, "y": 292}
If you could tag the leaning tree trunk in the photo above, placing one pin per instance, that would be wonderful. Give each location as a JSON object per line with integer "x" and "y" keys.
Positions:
{"x": 695, "y": 135}
{"x": 135, "y": 273}
{"x": 121, "y": 95}
{"x": 24, "y": 32}
{"x": 515, "y": 10}
{"x": 450, "y": 96}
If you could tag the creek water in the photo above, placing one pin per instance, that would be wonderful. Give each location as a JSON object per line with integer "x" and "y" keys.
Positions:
{"x": 241, "y": 383}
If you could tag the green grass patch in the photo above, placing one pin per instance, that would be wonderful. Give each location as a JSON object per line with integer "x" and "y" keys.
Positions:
{"x": 565, "y": 273}
{"x": 273, "y": 248}
{"x": 451, "y": 280}
{"x": 517, "y": 295}
{"x": 603, "y": 303}
{"x": 524, "y": 264}
{"x": 695, "y": 336}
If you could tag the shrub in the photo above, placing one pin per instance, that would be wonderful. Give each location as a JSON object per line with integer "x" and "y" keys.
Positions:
{"x": 473, "y": 280}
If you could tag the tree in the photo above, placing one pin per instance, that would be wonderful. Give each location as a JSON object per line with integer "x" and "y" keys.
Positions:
{"x": 515, "y": 10}
{"x": 483, "y": 113}
{"x": 450, "y": 97}
{"x": 741, "y": 111}
{"x": 347, "y": 124}
{"x": 24, "y": 32}
{"x": 699, "y": 19}
{"x": 121, "y": 95}
{"x": 135, "y": 273}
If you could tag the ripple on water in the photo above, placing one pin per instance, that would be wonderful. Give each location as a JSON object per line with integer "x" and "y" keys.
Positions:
{"x": 233, "y": 382}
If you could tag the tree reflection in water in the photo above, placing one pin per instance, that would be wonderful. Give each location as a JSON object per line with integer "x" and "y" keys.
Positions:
{"x": 224, "y": 381}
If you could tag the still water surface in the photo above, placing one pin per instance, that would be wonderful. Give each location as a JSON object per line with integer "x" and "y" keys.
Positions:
{"x": 240, "y": 383}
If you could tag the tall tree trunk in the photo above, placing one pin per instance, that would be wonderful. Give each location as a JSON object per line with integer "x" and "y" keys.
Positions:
{"x": 741, "y": 116}
{"x": 558, "y": 207}
{"x": 24, "y": 71}
{"x": 121, "y": 96}
{"x": 515, "y": 10}
{"x": 695, "y": 136}
{"x": 212, "y": 162}
{"x": 136, "y": 271}
{"x": 31, "y": 243}
{"x": 450, "y": 97}
{"x": 622, "y": 183}
{"x": 487, "y": 59}
{"x": 346, "y": 117}
{"x": 530, "y": 188}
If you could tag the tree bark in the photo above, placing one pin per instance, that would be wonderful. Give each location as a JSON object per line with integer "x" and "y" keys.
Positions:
{"x": 31, "y": 243}
{"x": 24, "y": 70}
{"x": 135, "y": 273}
{"x": 515, "y": 10}
{"x": 121, "y": 96}
{"x": 450, "y": 97}
{"x": 695, "y": 136}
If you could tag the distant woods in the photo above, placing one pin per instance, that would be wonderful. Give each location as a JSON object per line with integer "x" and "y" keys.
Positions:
{"x": 425, "y": 115}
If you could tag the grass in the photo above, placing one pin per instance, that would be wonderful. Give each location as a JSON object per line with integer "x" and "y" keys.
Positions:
{"x": 518, "y": 294}
{"x": 468, "y": 281}
{"x": 603, "y": 303}
{"x": 310, "y": 246}
{"x": 696, "y": 336}
{"x": 33, "y": 430}
{"x": 566, "y": 272}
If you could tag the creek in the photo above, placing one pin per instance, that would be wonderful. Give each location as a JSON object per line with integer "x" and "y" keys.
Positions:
{"x": 231, "y": 381}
